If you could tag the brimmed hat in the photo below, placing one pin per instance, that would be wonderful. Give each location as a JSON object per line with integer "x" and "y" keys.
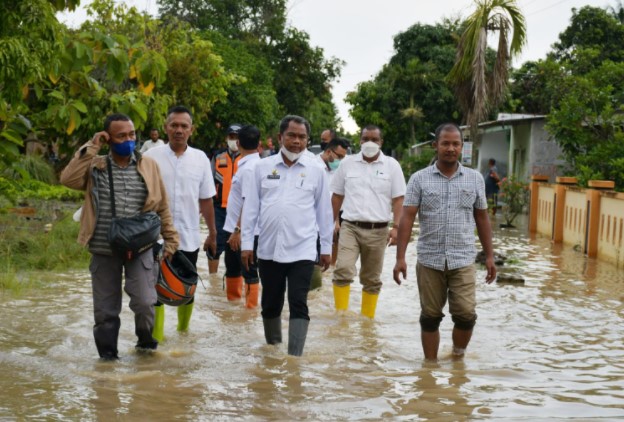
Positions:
{"x": 234, "y": 128}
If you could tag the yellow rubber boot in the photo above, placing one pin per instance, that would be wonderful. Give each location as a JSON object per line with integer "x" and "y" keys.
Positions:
{"x": 369, "y": 304}
{"x": 341, "y": 297}
{"x": 158, "y": 332}
{"x": 184, "y": 316}
{"x": 234, "y": 287}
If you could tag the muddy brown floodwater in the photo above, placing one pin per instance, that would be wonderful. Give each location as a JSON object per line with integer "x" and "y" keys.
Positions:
{"x": 549, "y": 349}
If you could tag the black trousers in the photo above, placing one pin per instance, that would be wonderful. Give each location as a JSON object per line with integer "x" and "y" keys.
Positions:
{"x": 275, "y": 277}
{"x": 234, "y": 267}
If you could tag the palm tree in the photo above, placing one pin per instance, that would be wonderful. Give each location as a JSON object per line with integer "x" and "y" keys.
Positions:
{"x": 480, "y": 89}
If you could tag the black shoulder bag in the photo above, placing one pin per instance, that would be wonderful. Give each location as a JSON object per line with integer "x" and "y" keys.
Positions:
{"x": 131, "y": 236}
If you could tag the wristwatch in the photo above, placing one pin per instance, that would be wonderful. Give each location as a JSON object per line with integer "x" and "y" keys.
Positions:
{"x": 236, "y": 229}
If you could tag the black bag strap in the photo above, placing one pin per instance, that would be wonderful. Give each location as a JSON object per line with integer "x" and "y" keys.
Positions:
{"x": 110, "y": 183}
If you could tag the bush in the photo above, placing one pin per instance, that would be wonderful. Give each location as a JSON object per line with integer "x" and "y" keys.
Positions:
{"x": 412, "y": 163}
{"x": 515, "y": 196}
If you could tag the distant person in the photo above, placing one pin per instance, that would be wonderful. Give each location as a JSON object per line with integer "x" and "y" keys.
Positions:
{"x": 138, "y": 187}
{"x": 248, "y": 141}
{"x": 289, "y": 201}
{"x": 492, "y": 180}
{"x": 154, "y": 141}
{"x": 369, "y": 188}
{"x": 269, "y": 150}
{"x": 330, "y": 160}
{"x": 326, "y": 136}
{"x": 224, "y": 167}
{"x": 450, "y": 201}
{"x": 190, "y": 186}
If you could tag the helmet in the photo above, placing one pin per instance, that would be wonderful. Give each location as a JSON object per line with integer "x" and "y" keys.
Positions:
{"x": 177, "y": 280}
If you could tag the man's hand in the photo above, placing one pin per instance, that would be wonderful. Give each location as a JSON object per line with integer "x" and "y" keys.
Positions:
{"x": 491, "y": 270}
{"x": 392, "y": 236}
{"x": 234, "y": 241}
{"x": 324, "y": 262}
{"x": 167, "y": 255}
{"x": 211, "y": 243}
{"x": 100, "y": 138}
{"x": 247, "y": 259}
{"x": 399, "y": 268}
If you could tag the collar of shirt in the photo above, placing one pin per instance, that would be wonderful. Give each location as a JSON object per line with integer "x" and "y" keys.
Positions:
{"x": 133, "y": 159}
{"x": 247, "y": 158}
{"x": 380, "y": 159}
{"x": 459, "y": 171}
{"x": 303, "y": 160}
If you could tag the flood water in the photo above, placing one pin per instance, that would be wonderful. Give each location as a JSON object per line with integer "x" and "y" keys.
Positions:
{"x": 549, "y": 349}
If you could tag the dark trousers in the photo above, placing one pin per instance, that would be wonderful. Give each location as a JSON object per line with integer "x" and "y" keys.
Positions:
{"x": 222, "y": 235}
{"x": 275, "y": 277}
{"x": 106, "y": 281}
{"x": 234, "y": 266}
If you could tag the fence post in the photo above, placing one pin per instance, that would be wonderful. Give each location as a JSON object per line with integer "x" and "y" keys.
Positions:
{"x": 560, "y": 194}
{"x": 593, "y": 213}
{"x": 533, "y": 209}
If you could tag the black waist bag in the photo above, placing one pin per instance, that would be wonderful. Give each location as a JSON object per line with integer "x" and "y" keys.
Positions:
{"x": 130, "y": 236}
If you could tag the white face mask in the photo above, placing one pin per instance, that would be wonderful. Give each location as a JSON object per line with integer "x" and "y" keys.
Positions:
{"x": 232, "y": 145}
{"x": 292, "y": 156}
{"x": 370, "y": 149}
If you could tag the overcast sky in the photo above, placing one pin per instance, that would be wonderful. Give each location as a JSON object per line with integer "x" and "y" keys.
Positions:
{"x": 360, "y": 31}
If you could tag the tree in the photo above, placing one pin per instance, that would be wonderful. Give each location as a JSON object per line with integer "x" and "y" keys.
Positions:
{"x": 413, "y": 82}
{"x": 480, "y": 88}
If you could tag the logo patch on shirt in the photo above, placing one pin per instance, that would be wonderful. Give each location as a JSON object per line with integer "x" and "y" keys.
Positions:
{"x": 273, "y": 175}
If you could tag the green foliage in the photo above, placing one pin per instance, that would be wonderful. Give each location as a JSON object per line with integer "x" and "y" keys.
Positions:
{"x": 414, "y": 79}
{"x": 31, "y": 167}
{"x": 412, "y": 163}
{"x": 29, "y": 245}
{"x": 515, "y": 196}
{"x": 20, "y": 191}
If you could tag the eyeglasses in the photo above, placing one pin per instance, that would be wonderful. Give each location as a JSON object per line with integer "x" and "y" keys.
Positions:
{"x": 339, "y": 156}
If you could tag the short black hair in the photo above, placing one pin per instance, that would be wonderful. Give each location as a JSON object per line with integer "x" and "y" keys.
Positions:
{"x": 338, "y": 142}
{"x": 448, "y": 127}
{"x": 115, "y": 117}
{"x": 372, "y": 127}
{"x": 249, "y": 137}
{"x": 492, "y": 161}
{"x": 179, "y": 109}
{"x": 293, "y": 118}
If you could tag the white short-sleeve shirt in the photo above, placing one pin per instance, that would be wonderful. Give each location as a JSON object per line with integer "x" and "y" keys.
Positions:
{"x": 188, "y": 178}
{"x": 368, "y": 188}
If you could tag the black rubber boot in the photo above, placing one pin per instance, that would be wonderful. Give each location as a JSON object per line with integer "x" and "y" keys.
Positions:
{"x": 297, "y": 333}
{"x": 272, "y": 330}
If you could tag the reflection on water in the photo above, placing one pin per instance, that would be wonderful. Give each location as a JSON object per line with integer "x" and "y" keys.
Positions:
{"x": 551, "y": 348}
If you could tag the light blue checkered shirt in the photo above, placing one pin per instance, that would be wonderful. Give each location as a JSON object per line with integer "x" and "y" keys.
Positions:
{"x": 446, "y": 215}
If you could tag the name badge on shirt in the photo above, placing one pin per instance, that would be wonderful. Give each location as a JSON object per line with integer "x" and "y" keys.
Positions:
{"x": 273, "y": 175}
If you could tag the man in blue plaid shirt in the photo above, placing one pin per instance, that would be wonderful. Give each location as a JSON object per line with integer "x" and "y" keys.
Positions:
{"x": 449, "y": 200}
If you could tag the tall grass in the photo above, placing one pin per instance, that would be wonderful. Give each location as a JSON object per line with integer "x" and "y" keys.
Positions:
{"x": 28, "y": 246}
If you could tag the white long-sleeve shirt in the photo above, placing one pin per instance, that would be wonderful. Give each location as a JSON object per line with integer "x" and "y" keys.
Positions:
{"x": 236, "y": 199}
{"x": 292, "y": 207}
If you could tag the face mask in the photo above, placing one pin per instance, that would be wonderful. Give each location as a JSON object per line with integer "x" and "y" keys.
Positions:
{"x": 124, "y": 149}
{"x": 232, "y": 145}
{"x": 292, "y": 156}
{"x": 333, "y": 165}
{"x": 370, "y": 149}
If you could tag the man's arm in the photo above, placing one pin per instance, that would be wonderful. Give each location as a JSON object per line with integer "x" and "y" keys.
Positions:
{"x": 397, "y": 210}
{"x": 484, "y": 231}
{"x": 76, "y": 173}
{"x": 408, "y": 215}
{"x": 206, "y": 208}
{"x": 336, "y": 202}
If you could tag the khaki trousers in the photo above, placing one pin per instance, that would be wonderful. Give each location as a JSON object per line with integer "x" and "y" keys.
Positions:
{"x": 367, "y": 244}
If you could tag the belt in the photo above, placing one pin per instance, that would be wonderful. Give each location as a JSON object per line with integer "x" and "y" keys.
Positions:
{"x": 366, "y": 225}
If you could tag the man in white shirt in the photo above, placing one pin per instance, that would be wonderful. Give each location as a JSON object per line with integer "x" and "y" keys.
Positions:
{"x": 289, "y": 200}
{"x": 190, "y": 187}
{"x": 369, "y": 186}
{"x": 154, "y": 141}
{"x": 247, "y": 142}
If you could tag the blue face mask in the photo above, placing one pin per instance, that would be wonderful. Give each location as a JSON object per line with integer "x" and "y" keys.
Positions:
{"x": 124, "y": 149}
{"x": 333, "y": 165}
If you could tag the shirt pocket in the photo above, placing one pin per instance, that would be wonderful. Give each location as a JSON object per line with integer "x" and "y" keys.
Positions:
{"x": 195, "y": 173}
{"x": 382, "y": 183}
{"x": 431, "y": 200}
{"x": 270, "y": 191}
{"x": 467, "y": 199}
